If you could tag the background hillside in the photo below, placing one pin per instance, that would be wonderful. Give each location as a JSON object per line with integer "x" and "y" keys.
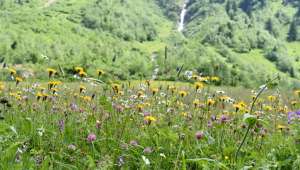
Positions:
{"x": 241, "y": 41}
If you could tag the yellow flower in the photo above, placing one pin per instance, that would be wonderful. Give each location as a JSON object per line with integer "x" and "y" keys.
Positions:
{"x": 78, "y": 69}
{"x": 39, "y": 95}
{"x": 52, "y": 84}
{"x": 18, "y": 80}
{"x": 81, "y": 88}
{"x": 294, "y": 102}
{"x": 267, "y": 108}
{"x": 100, "y": 72}
{"x": 239, "y": 106}
{"x": 120, "y": 93}
{"x": 184, "y": 114}
{"x": 116, "y": 88}
{"x": 12, "y": 71}
{"x": 172, "y": 89}
{"x": 195, "y": 77}
{"x": 154, "y": 91}
{"x": 281, "y": 127}
{"x": 54, "y": 90}
{"x": 87, "y": 98}
{"x": 51, "y": 71}
{"x": 203, "y": 79}
{"x": 297, "y": 92}
{"x": 140, "y": 93}
{"x": 140, "y": 107}
{"x": 215, "y": 78}
{"x": 182, "y": 93}
{"x": 150, "y": 118}
{"x": 82, "y": 73}
{"x": 196, "y": 102}
{"x": 199, "y": 85}
{"x": 272, "y": 98}
{"x": 2, "y": 86}
{"x": 210, "y": 102}
{"x": 224, "y": 98}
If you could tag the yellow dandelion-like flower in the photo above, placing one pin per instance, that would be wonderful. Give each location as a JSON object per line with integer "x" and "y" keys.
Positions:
{"x": 121, "y": 93}
{"x": 185, "y": 114}
{"x": 150, "y": 118}
{"x": 204, "y": 79}
{"x": 195, "y": 77}
{"x": 12, "y": 71}
{"x": 297, "y": 92}
{"x": 52, "y": 84}
{"x": 51, "y": 71}
{"x": 210, "y": 102}
{"x": 196, "y": 102}
{"x": 172, "y": 89}
{"x": 54, "y": 90}
{"x": 294, "y": 102}
{"x": 140, "y": 107}
{"x": 100, "y": 72}
{"x": 281, "y": 127}
{"x": 182, "y": 93}
{"x": 224, "y": 98}
{"x": 82, "y": 88}
{"x": 82, "y": 74}
{"x": 2, "y": 86}
{"x": 199, "y": 85}
{"x": 18, "y": 80}
{"x": 272, "y": 98}
{"x": 215, "y": 78}
{"x": 87, "y": 98}
{"x": 154, "y": 91}
{"x": 140, "y": 93}
{"x": 78, "y": 69}
{"x": 267, "y": 108}
{"x": 116, "y": 88}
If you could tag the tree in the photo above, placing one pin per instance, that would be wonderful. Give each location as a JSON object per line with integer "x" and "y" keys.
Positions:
{"x": 293, "y": 32}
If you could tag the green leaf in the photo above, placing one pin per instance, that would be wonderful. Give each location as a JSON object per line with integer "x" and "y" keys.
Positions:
{"x": 207, "y": 160}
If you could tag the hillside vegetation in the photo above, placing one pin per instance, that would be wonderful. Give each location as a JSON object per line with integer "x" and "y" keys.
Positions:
{"x": 241, "y": 41}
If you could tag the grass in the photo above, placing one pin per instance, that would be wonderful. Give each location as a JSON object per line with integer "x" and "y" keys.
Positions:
{"x": 144, "y": 126}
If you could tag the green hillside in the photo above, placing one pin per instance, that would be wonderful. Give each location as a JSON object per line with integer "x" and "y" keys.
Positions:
{"x": 241, "y": 41}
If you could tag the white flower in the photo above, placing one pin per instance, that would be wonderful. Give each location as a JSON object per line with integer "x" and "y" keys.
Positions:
{"x": 162, "y": 155}
{"x": 220, "y": 92}
{"x": 41, "y": 131}
{"x": 188, "y": 74}
{"x": 146, "y": 160}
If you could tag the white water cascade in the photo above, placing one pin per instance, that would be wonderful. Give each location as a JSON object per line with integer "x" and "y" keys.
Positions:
{"x": 182, "y": 16}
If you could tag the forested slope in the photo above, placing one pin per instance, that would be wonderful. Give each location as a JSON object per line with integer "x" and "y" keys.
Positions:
{"x": 241, "y": 41}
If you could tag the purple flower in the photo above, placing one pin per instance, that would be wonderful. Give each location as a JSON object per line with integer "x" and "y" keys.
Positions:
{"x": 293, "y": 115}
{"x": 61, "y": 125}
{"x": 213, "y": 118}
{"x": 209, "y": 124}
{"x": 73, "y": 107}
{"x": 223, "y": 119}
{"x": 91, "y": 137}
{"x": 199, "y": 135}
{"x": 147, "y": 150}
{"x": 147, "y": 114}
{"x": 133, "y": 143}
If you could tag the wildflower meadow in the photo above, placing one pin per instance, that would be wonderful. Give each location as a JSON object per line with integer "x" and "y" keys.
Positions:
{"x": 93, "y": 123}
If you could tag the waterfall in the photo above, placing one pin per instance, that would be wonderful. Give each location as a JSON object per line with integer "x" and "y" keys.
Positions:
{"x": 182, "y": 16}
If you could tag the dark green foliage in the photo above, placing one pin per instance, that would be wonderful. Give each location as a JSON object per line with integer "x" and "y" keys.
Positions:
{"x": 119, "y": 36}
